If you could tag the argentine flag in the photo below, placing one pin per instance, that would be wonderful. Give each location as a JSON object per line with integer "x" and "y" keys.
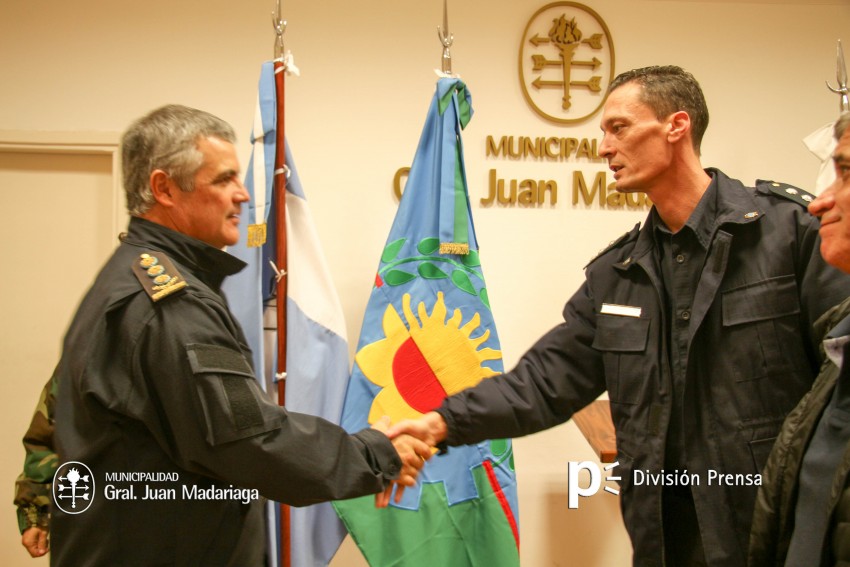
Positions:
{"x": 317, "y": 348}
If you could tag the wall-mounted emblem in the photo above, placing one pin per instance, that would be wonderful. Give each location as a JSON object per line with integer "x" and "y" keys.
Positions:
{"x": 566, "y": 62}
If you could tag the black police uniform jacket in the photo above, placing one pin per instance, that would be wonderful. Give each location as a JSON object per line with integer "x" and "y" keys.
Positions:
{"x": 167, "y": 387}
{"x": 751, "y": 357}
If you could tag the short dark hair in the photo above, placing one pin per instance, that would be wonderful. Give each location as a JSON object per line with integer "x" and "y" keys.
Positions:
{"x": 166, "y": 139}
{"x": 668, "y": 89}
{"x": 841, "y": 125}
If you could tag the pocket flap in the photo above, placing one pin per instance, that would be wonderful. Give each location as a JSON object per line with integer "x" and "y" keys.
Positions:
{"x": 233, "y": 404}
{"x": 621, "y": 334}
{"x": 769, "y": 299}
{"x": 212, "y": 359}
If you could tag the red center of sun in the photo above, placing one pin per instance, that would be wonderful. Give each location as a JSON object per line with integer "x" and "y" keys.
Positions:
{"x": 415, "y": 381}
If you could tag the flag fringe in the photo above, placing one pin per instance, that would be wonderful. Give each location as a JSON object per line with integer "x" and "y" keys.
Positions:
{"x": 454, "y": 248}
{"x": 256, "y": 235}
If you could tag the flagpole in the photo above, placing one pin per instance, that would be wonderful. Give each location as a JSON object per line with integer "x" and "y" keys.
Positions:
{"x": 280, "y": 171}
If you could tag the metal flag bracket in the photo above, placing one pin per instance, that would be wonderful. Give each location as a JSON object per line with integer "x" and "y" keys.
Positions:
{"x": 279, "y": 25}
{"x": 280, "y": 53}
{"x": 446, "y": 40}
{"x": 841, "y": 77}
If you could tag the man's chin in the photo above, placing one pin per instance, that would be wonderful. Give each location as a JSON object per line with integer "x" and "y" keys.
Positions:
{"x": 621, "y": 187}
{"x": 835, "y": 254}
{"x": 231, "y": 236}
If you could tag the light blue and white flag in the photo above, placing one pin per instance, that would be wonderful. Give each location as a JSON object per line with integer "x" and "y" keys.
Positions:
{"x": 317, "y": 347}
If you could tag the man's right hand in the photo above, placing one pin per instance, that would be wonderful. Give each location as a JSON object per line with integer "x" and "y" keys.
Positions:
{"x": 413, "y": 453}
{"x": 430, "y": 428}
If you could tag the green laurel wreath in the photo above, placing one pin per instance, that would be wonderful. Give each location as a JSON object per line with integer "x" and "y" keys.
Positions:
{"x": 428, "y": 269}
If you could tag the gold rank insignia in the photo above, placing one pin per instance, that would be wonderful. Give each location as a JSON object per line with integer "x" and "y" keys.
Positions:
{"x": 157, "y": 274}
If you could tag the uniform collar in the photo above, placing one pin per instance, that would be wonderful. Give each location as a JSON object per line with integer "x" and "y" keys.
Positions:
{"x": 833, "y": 326}
{"x": 731, "y": 203}
{"x": 701, "y": 220}
{"x": 206, "y": 262}
{"x": 736, "y": 204}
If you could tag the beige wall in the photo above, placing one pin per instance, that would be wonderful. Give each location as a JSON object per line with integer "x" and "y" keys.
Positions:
{"x": 354, "y": 117}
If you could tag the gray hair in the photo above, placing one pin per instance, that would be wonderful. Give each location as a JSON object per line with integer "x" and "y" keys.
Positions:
{"x": 668, "y": 89}
{"x": 166, "y": 139}
{"x": 841, "y": 125}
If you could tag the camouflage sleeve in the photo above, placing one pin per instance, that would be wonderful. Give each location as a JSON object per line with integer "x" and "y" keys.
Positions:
{"x": 32, "y": 488}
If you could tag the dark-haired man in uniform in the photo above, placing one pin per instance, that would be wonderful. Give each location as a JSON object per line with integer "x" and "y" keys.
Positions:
{"x": 698, "y": 325}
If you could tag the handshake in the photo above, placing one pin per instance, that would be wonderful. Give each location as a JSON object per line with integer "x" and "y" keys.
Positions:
{"x": 414, "y": 441}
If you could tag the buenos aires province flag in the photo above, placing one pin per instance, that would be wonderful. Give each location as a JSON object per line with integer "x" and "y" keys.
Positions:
{"x": 428, "y": 332}
{"x": 317, "y": 347}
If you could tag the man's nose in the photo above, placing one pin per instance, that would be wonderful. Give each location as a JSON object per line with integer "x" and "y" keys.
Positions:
{"x": 825, "y": 200}
{"x": 605, "y": 149}
{"x": 242, "y": 194}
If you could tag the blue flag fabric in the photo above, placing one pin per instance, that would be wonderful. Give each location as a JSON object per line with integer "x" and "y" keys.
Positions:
{"x": 428, "y": 332}
{"x": 317, "y": 347}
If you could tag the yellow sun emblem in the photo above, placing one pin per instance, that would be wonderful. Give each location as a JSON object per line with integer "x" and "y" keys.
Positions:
{"x": 419, "y": 367}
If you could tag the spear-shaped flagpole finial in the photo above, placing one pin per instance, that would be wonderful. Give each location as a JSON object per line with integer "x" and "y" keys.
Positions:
{"x": 279, "y": 25}
{"x": 446, "y": 39}
{"x": 841, "y": 77}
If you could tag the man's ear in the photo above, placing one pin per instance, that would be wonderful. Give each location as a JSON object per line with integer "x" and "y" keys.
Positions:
{"x": 679, "y": 126}
{"x": 162, "y": 187}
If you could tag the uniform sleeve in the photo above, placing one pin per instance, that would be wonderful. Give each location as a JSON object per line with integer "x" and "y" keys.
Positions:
{"x": 195, "y": 391}
{"x": 32, "y": 488}
{"x": 557, "y": 377}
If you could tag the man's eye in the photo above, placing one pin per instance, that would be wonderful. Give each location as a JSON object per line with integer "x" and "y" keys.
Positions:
{"x": 226, "y": 180}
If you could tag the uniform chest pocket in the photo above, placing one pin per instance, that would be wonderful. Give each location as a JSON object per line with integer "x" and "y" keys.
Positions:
{"x": 765, "y": 314}
{"x": 622, "y": 341}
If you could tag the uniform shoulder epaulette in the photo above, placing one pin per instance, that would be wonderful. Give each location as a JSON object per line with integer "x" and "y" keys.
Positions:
{"x": 799, "y": 196}
{"x": 158, "y": 276}
{"x": 614, "y": 244}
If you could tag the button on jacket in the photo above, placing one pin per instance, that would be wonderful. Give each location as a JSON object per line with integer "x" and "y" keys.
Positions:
{"x": 750, "y": 358}
{"x": 167, "y": 387}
